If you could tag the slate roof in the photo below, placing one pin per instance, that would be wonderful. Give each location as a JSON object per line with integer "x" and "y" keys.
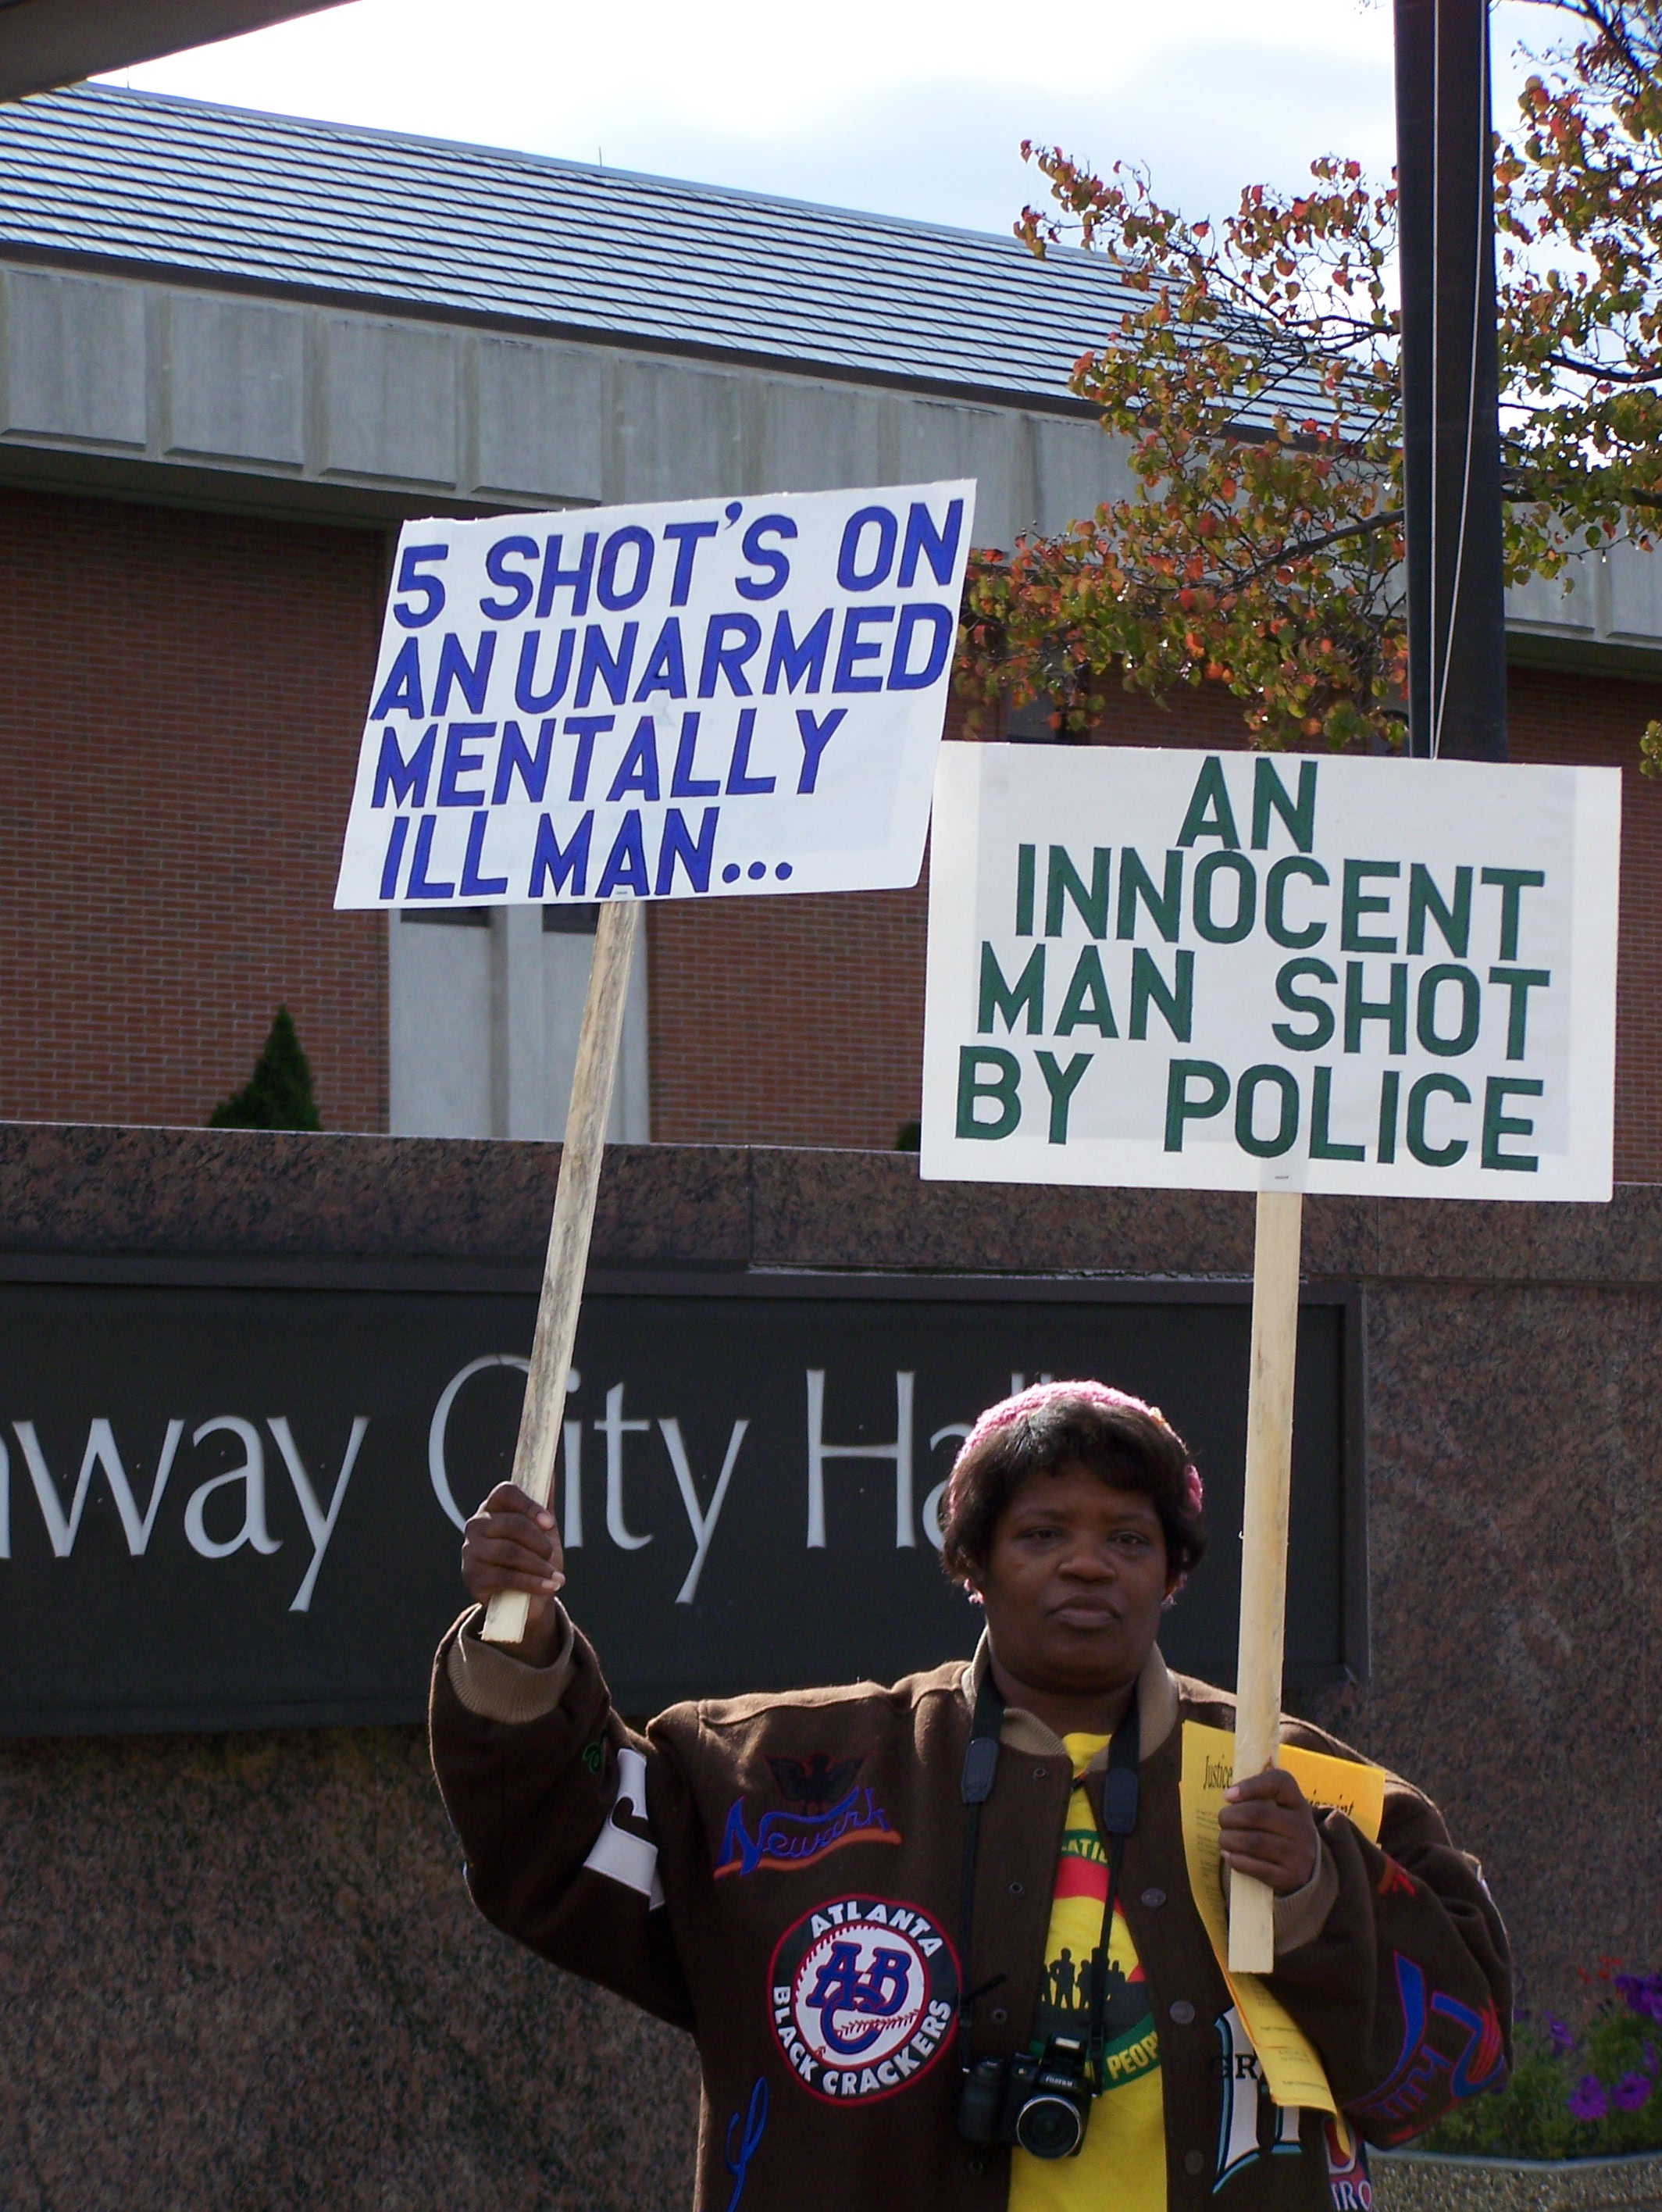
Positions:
{"x": 185, "y": 189}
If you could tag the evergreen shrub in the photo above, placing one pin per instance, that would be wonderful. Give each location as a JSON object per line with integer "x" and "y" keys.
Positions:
{"x": 278, "y": 1094}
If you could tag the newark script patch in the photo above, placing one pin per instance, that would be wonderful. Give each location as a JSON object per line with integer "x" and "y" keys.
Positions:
{"x": 826, "y": 1811}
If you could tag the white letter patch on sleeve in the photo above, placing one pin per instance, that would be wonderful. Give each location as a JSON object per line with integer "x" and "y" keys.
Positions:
{"x": 618, "y": 1852}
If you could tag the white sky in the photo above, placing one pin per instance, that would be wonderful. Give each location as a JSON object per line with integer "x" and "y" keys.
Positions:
{"x": 911, "y": 107}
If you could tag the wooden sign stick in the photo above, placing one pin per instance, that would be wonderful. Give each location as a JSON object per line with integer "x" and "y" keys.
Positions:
{"x": 1264, "y": 1542}
{"x": 568, "y": 1236}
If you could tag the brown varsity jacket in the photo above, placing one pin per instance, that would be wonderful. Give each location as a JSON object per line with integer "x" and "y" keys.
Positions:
{"x": 781, "y": 1876}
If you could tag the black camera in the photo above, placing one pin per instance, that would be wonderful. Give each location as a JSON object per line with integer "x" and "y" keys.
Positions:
{"x": 1041, "y": 2104}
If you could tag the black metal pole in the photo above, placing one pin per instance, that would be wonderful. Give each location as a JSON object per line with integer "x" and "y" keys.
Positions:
{"x": 1450, "y": 372}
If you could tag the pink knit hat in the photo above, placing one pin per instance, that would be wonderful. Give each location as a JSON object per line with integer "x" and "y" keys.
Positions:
{"x": 1105, "y": 1400}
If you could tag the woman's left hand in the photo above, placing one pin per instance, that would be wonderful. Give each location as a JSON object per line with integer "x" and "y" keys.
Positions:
{"x": 1267, "y": 1830}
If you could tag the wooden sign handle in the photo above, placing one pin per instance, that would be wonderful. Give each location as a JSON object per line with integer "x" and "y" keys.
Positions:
{"x": 568, "y": 1236}
{"x": 1264, "y": 1542}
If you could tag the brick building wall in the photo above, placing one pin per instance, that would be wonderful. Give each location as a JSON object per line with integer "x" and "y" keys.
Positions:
{"x": 178, "y": 727}
{"x": 787, "y": 1021}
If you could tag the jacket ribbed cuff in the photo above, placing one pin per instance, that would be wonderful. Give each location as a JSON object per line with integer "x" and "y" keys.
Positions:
{"x": 495, "y": 1686}
{"x": 1302, "y": 1914}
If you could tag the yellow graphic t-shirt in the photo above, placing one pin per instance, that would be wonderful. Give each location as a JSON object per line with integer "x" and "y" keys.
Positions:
{"x": 1122, "y": 2164}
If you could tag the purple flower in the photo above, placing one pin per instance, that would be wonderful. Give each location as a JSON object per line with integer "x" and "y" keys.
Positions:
{"x": 1632, "y": 2091}
{"x": 1561, "y": 2039}
{"x": 1642, "y": 1994}
{"x": 1647, "y": 2058}
{"x": 1588, "y": 2100}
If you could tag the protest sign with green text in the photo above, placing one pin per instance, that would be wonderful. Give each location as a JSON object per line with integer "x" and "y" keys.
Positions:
{"x": 1240, "y": 972}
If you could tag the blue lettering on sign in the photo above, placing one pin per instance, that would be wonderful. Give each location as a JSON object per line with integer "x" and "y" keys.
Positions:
{"x": 554, "y": 865}
{"x": 856, "y": 646}
{"x": 399, "y": 779}
{"x": 797, "y": 658}
{"x": 526, "y": 696}
{"x": 857, "y": 548}
{"x": 632, "y": 541}
{"x": 413, "y": 584}
{"x": 401, "y": 694}
{"x": 470, "y": 677}
{"x": 666, "y": 666}
{"x": 939, "y": 548}
{"x": 943, "y": 628}
{"x": 767, "y": 557}
{"x": 518, "y": 585}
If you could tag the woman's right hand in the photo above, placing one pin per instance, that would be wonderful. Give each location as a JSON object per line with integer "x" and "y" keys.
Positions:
{"x": 512, "y": 1543}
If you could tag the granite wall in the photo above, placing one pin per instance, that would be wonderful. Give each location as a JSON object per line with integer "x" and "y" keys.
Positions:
{"x": 240, "y": 1972}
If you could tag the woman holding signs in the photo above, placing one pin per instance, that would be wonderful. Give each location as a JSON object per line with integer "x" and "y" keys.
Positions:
{"x": 938, "y": 1942}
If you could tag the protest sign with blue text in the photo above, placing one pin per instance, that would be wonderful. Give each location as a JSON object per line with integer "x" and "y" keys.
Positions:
{"x": 1239, "y": 971}
{"x": 668, "y": 702}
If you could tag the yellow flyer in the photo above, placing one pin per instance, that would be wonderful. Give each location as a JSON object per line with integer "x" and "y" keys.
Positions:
{"x": 1292, "y": 2070}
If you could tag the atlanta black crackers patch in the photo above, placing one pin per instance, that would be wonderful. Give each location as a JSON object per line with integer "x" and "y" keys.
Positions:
{"x": 862, "y": 1993}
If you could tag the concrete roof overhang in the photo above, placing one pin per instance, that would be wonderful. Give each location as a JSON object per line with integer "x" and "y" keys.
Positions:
{"x": 44, "y": 43}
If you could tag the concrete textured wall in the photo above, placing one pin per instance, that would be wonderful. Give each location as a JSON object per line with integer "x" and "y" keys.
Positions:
{"x": 484, "y": 1007}
{"x": 241, "y": 1971}
{"x": 175, "y": 390}
{"x": 228, "y": 396}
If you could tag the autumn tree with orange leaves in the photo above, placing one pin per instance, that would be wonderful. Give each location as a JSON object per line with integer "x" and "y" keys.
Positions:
{"x": 1252, "y": 383}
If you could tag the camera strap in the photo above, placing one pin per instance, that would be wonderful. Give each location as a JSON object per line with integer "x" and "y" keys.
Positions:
{"x": 1119, "y": 1796}
{"x": 980, "y": 1765}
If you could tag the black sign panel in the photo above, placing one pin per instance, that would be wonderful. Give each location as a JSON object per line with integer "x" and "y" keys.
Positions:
{"x": 226, "y": 1503}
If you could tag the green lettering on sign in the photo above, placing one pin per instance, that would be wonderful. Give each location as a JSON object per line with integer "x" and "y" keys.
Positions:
{"x": 1425, "y": 1019}
{"x": 1061, "y": 1083}
{"x": 1512, "y": 882}
{"x": 1026, "y": 994}
{"x": 1175, "y": 1001}
{"x": 1275, "y": 903}
{"x": 1181, "y": 1109}
{"x": 1426, "y": 903}
{"x": 1165, "y": 905}
{"x": 1280, "y": 1139}
{"x": 1064, "y": 881}
{"x": 1209, "y": 813}
{"x": 1392, "y": 1012}
{"x": 1300, "y": 1002}
{"x": 1086, "y": 1004}
{"x": 1322, "y": 1146}
{"x": 1498, "y": 1123}
{"x": 1519, "y": 983}
{"x": 1270, "y": 793}
{"x": 1419, "y": 1098}
{"x": 1355, "y": 903}
{"x": 1002, "y": 1086}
